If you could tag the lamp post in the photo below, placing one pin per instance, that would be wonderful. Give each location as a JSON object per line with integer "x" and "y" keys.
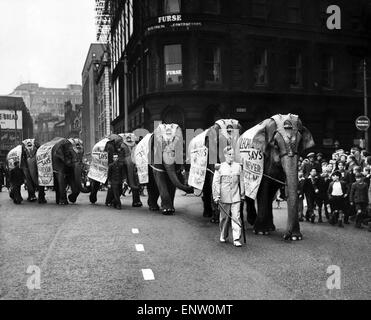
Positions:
{"x": 365, "y": 99}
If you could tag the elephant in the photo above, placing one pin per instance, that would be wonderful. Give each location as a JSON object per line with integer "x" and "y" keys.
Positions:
{"x": 59, "y": 163}
{"x": 123, "y": 144}
{"x": 225, "y": 132}
{"x": 25, "y": 153}
{"x": 159, "y": 158}
{"x": 280, "y": 139}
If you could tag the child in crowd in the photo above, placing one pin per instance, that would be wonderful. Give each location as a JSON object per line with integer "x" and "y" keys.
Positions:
{"x": 359, "y": 197}
{"x": 301, "y": 195}
{"x": 337, "y": 192}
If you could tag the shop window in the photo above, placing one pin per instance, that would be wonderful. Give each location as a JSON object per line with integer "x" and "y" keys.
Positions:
{"x": 172, "y": 6}
{"x": 261, "y": 67}
{"x": 295, "y": 70}
{"x": 212, "y": 64}
{"x": 173, "y": 64}
{"x": 328, "y": 71}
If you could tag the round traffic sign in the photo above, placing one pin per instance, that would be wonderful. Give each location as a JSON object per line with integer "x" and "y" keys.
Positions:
{"x": 362, "y": 123}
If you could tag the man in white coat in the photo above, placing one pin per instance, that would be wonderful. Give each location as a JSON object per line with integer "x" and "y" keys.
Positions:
{"x": 228, "y": 191}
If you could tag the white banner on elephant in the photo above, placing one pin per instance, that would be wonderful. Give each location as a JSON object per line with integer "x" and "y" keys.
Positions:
{"x": 98, "y": 170}
{"x": 197, "y": 172}
{"x": 14, "y": 155}
{"x": 198, "y": 159}
{"x": 45, "y": 165}
{"x": 251, "y": 156}
{"x": 141, "y": 157}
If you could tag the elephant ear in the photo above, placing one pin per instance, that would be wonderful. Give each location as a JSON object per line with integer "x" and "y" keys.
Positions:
{"x": 262, "y": 135}
{"x": 306, "y": 139}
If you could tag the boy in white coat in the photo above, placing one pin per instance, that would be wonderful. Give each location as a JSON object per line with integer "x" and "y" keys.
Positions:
{"x": 228, "y": 191}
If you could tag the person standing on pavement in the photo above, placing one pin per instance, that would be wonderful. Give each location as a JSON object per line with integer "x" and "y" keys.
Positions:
{"x": 2, "y": 176}
{"x": 301, "y": 195}
{"x": 312, "y": 194}
{"x": 337, "y": 193}
{"x": 359, "y": 198}
{"x": 228, "y": 191}
{"x": 311, "y": 164}
{"x": 16, "y": 180}
{"x": 116, "y": 177}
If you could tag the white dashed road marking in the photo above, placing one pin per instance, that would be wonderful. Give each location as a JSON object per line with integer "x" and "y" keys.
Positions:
{"x": 148, "y": 274}
{"x": 139, "y": 247}
{"x": 134, "y": 230}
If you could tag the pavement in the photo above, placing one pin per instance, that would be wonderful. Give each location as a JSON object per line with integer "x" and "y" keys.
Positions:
{"x": 86, "y": 251}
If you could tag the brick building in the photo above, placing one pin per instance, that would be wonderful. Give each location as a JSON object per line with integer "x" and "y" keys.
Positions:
{"x": 192, "y": 62}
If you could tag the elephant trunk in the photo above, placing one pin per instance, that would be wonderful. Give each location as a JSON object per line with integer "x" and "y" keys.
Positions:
{"x": 130, "y": 169}
{"x": 78, "y": 178}
{"x": 170, "y": 169}
{"x": 290, "y": 166}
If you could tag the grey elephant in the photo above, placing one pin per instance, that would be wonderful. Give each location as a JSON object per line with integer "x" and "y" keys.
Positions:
{"x": 123, "y": 144}
{"x": 159, "y": 159}
{"x": 59, "y": 164}
{"x": 210, "y": 144}
{"x": 25, "y": 153}
{"x": 279, "y": 139}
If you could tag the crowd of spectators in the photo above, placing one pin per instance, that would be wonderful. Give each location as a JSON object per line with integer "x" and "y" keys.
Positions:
{"x": 338, "y": 187}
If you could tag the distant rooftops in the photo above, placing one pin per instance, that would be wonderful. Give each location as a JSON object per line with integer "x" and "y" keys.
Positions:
{"x": 35, "y": 86}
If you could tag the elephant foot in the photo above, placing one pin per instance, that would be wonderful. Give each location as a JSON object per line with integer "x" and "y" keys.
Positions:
{"x": 293, "y": 236}
{"x": 93, "y": 199}
{"x": 261, "y": 232}
{"x": 272, "y": 227}
{"x": 168, "y": 212}
{"x": 63, "y": 202}
{"x": 42, "y": 201}
{"x": 154, "y": 208}
{"x": 72, "y": 198}
{"x": 137, "y": 204}
{"x": 207, "y": 214}
{"x": 31, "y": 199}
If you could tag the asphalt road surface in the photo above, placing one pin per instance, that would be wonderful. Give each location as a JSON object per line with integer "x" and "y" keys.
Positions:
{"x": 86, "y": 251}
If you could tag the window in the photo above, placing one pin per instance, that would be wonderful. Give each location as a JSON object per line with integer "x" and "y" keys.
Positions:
{"x": 357, "y": 74}
{"x": 212, "y": 64}
{"x": 327, "y": 71}
{"x": 295, "y": 70}
{"x": 211, "y": 6}
{"x": 171, "y": 6}
{"x": 260, "y": 67}
{"x": 173, "y": 63}
{"x": 294, "y": 11}
{"x": 259, "y": 8}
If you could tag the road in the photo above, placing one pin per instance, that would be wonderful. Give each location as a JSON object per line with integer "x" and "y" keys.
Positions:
{"x": 89, "y": 251}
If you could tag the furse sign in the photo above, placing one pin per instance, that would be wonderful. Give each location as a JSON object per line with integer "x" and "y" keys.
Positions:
{"x": 8, "y": 118}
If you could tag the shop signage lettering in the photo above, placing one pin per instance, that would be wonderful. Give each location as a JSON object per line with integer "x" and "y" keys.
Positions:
{"x": 170, "y": 18}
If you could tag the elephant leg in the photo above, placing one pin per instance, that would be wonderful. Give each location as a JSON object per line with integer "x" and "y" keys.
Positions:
{"x": 75, "y": 191}
{"x": 172, "y": 190}
{"x": 30, "y": 186}
{"x": 163, "y": 182}
{"x": 61, "y": 183}
{"x": 207, "y": 197}
{"x": 42, "y": 199}
{"x": 250, "y": 210}
{"x": 136, "y": 198}
{"x": 94, "y": 190}
{"x": 153, "y": 192}
{"x": 264, "y": 221}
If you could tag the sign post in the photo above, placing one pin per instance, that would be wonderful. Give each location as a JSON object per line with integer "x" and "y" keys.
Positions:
{"x": 362, "y": 124}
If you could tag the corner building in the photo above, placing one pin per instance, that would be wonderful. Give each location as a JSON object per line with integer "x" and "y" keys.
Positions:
{"x": 193, "y": 62}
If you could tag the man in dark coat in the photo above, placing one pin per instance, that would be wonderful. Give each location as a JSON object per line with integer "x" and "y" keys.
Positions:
{"x": 312, "y": 194}
{"x": 116, "y": 177}
{"x": 16, "y": 180}
{"x": 359, "y": 197}
{"x": 337, "y": 193}
{"x": 311, "y": 164}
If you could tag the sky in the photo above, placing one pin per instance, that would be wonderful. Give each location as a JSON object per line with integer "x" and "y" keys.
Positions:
{"x": 44, "y": 41}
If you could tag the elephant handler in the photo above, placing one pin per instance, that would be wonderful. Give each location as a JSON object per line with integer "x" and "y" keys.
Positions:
{"x": 228, "y": 191}
{"x": 116, "y": 177}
